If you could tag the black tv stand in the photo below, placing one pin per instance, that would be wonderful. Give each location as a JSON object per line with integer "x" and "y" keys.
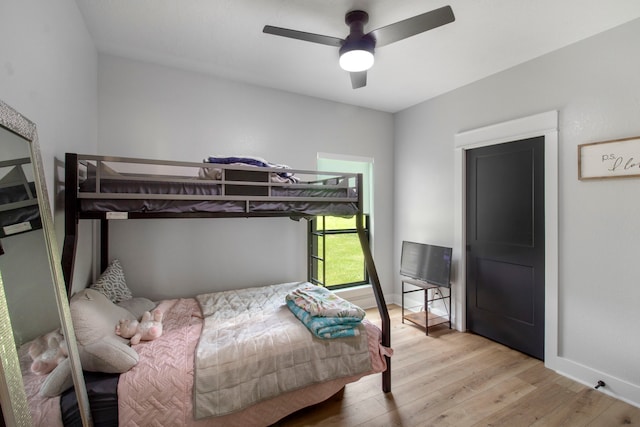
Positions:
{"x": 427, "y": 318}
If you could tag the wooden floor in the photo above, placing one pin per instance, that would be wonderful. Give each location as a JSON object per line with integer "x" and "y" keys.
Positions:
{"x": 460, "y": 379}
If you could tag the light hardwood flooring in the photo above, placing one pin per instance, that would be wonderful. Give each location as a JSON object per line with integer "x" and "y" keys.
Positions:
{"x": 461, "y": 379}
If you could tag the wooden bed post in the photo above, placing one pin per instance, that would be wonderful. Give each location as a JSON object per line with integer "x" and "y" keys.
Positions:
{"x": 104, "y": 244}
{"x": 70, "y": 219}
{"x": 377, "y": 289}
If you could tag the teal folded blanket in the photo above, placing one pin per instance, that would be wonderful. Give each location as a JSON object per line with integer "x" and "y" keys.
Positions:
{"x": 326, "y": 327}
{"x": 319, "y": 301}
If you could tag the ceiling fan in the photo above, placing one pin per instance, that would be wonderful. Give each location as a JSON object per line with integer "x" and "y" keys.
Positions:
{"x": 356, "y": 50}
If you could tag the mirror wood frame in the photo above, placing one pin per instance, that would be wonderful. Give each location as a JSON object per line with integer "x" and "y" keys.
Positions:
{"x": 12, "y": 394}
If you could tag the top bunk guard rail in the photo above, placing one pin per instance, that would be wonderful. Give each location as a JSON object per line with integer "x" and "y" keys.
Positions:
{"x": 105, "y": 160}
{"x": 229, "y": 182}
{"x": 19, "y": 211}
{"x": 19, "y": 179}
{"x": 107, "y": 187}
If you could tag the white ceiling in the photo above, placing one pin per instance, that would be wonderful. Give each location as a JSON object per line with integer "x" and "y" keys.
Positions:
{"x": 224, "y": 38}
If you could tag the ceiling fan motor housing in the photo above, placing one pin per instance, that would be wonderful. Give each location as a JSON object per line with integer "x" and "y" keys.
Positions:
{"x": 357, "y": 40}
{"x": 356, "y": 20}
{"x": 367, "y": 43}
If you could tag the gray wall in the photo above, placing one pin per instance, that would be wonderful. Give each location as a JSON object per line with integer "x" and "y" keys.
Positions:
{"x": 595, "y": 87}
{"x": 48, "y": 72}
{"x": 157, "y": 112}
{"x": 51, "y": 75}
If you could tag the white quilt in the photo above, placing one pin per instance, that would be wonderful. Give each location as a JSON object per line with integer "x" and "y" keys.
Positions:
{"x": 253, "y": 348}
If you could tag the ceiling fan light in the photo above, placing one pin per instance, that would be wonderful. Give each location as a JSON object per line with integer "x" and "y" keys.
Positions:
{"x": 356, "y": 60}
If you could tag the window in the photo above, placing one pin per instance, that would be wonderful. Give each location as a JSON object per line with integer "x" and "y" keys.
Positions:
{"x": 335, "y": 255}
{"x": 335, "y": 258}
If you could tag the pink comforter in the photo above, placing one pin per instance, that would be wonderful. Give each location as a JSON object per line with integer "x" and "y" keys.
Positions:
{"x": 158, "y": 391}
{"x": 45, "y": 411}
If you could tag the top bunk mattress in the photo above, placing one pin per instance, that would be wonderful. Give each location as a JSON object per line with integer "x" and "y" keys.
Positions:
{"x": 150, "y": 196}
{"x": 232, "y": 189}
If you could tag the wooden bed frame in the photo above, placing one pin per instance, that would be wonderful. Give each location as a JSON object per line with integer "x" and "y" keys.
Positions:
{"x": 245, "y": 178}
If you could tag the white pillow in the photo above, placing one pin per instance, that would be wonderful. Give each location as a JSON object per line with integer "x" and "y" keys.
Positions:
{"x": 112, "y": 283}
{"x": 137, "y": 306}
{"x": 58, "y": 380}
{"x": 94, "y": 321}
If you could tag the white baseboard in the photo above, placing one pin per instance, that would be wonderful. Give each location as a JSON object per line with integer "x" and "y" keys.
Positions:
{"x": 614, "y": 387}
{"x": 362, "y": 296}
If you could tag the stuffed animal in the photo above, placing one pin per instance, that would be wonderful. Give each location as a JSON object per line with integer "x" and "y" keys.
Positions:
{"x": 149, "y": 327}
{"x": 47, "y": 352}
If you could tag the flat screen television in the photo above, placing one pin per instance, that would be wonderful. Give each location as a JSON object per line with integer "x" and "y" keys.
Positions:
{"x": 428, "y": 263}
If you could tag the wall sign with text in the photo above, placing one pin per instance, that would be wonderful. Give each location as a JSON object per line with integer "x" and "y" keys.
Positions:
{"x": 619, "y": 158}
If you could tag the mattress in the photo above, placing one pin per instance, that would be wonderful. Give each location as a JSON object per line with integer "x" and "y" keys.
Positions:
{"x": 16, "y": 220}
{"x": 165, "y": 196}
{"x": 23, "y": 218}
{"x": 253, "y": 348}
{"x": 159, "y": 389}
{"x": 45, "y": 411}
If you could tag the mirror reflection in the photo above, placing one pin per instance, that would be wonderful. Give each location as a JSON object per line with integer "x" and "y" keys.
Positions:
{"x": 38, "y": 353}
{"x": 24, "y": 263}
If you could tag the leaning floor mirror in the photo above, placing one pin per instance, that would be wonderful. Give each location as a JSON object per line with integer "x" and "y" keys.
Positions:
{"x": 34, "y": 309}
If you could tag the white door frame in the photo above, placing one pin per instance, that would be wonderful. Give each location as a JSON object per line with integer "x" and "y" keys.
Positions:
{"x": 543, "y": 124}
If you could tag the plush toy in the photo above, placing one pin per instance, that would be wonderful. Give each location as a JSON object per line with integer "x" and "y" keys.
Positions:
{"x": 47, "y": 352}
{"x": 149, "y": 327}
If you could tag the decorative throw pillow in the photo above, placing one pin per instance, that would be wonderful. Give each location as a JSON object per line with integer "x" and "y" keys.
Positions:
{"x": 112, "y": 283}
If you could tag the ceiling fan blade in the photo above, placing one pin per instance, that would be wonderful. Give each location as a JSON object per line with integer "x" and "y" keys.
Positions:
{"x": 412, "y": 26}
{"x": 301, "y": 35}
{"x": 358, "y": 79}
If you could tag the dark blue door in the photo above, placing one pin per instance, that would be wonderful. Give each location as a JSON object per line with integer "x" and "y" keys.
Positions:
{"x": 505, "y": 244}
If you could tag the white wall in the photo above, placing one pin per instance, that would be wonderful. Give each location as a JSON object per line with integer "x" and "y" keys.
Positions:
{"x": 157, "y": 112}
{"x": 595, "y": 86}
{"x": 48, "y": 72}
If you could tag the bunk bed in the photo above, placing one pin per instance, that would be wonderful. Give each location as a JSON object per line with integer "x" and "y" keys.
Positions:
{"x": 18, "y": 203}
{"x": 111, "y": 188}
